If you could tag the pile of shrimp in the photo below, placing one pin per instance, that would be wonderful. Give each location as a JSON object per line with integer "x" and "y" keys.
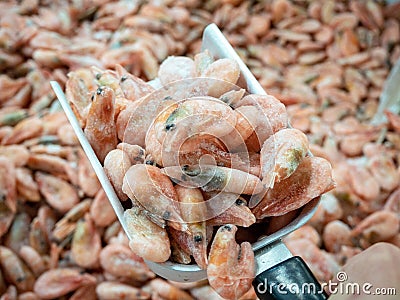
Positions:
{"x": 326, "y": 61}
{"x": 190, "y": 154}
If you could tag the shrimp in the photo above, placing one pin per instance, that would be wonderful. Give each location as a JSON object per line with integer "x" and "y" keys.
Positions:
{"x": 120, "y": 261}
{"x": 146, "y": 238}
{"x": 79, "y": 85}
{"x": 135, "y": 153}
{"x": 335, "y": 235}
{"x": 87, "y": 178}
{"x": 100, "y": 128}
{"x": 101, "y": 210}
{"x": 311, "y": 179}
{"x": 15, "y": 270}
{"x": 59, "y": 282}
{"x": 18, "y": 154}
{"x": 176, "y": 68}
{"x": 384, "y": 171}
{"x": 270, "y": 118}
{"x": 231, "y": 268}
{"x": 197, "y": 115}
{"x": 86, "y": 243}
{"x": 281, "y": 154}
{"x": 6, "y": 218}
{"x": 238, "y": 214}
{"x": 214, "y": 178}
{"x": 33, "y": 259}
{"x": 8, "y": 191}
{"x": 194, "y": 211}
{"x": 202, "y": 61}
{"x": 133, "y": 88}
{"x": 47, "y": 163}
{"x": 169, "y": 291}
{"x": 155, "y": 192}
{"x": 26, "y": 129}
{"x": 57, "y": 192}
{"x": 109, "y": 290}
{"x": 377, "y": 227}
{"x": 26, "y": 186}
{"x": 18, "y": 234}
{"x": 116, "y": 164}
{"x": 224, "y": 69}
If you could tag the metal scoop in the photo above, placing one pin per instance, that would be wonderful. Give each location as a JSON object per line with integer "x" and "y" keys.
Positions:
{"x": 274, "y": 262}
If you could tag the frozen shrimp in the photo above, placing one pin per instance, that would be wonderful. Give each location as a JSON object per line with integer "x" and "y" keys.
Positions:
{"x": 33, "y": 259}
{"x": 198, "y": 115}
{"x": 18, "y": 154}
{"x": 66, "y": 196}
{"x": 15, "y": 270}
{"x": 146, "y": 238}
{"x": 120, "y": 261}
{"x": 135, "y": 153}
{"x": 79, "y": 85}
{"x": 231, "y": 267}
{"x": 176, "y": 68}
{"x": 215, "y": 178}
{"x": 133, "y": 88}
{"x": 59, "y": 282}
{"x": 100, "y": 128}
{"x": 26, "y": 129}
{"x": 86, "y": 243}
{"x": 26, "y": 186}
{"x": 110, "y": 290}
{"x": 154, "y": 192}
{"x": 116, "y": 164}
{"x": 237, "y": 214}
{"x": 8, "y": 190}
{"x": 312, "y": 178}
{"x": 281, "y": 154}
{"x": 18, "y": 234}
{"x": 87, "y": 178}
{"x": 335, "y": 235}
{"x": 101, "y": 210}
{"x": 271, "y": 116}
{"x": 169, "y": 291}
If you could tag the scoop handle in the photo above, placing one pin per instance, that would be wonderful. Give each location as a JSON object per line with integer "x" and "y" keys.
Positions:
{"x": 290, "y": 279}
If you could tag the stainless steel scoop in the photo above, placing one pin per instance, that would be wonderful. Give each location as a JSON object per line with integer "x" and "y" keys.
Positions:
{"x": 275, "y": 263}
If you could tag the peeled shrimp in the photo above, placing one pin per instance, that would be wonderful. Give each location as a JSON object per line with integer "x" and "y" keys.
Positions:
{"x": 231, "y": 268}
{"x": 215, "y": 178}
{"x": 281, "y": 154}
{"x": 146, "y": 238}
{"x": 100, "y": 128}
{"x": 312, "y": 178}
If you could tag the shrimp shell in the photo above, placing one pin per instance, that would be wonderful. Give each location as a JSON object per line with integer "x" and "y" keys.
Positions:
{"x": 231, "y": 268}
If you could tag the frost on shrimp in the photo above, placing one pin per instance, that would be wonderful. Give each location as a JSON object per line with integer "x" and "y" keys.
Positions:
{"x": 231, "y": 268}
{"x": 214, "y": 178}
